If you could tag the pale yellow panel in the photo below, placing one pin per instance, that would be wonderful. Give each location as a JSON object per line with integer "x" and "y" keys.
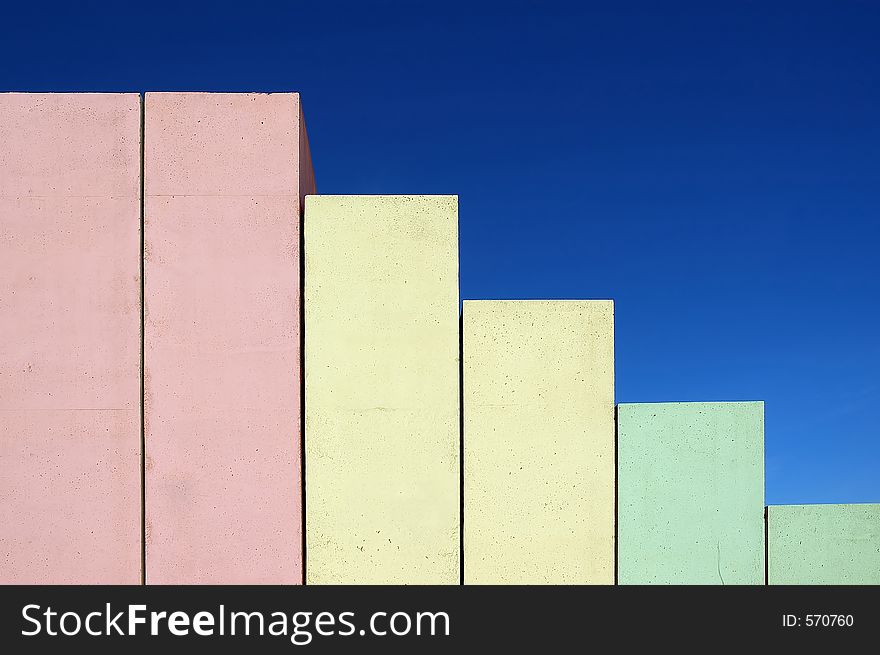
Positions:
{"x": 539, "y": 442}
{"x": 382, "y": 389}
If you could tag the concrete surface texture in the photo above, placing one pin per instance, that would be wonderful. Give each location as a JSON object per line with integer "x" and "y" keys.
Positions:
{"x": 70, "y": 430}
{"x": 538, "y": 442}
{"x": 382, "y": 391}
{"x": 823, "y": 544}
{"x": 224, "y": 180}
{"x": 691, "y": 493}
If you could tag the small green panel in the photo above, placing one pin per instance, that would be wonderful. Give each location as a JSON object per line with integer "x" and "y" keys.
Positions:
{"x": 823, "y": 544}
{"x": 691, "y": 493}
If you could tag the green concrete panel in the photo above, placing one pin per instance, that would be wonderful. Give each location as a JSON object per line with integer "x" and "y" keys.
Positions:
{"x": 823, "y": 544}
{"x": 691, "y": 493}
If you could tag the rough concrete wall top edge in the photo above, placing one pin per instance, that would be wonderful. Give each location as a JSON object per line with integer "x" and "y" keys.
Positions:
{"x": 692, "y": 403}
{"x": 294, "y": 100}
{"x": 80, "y": 94}
{"x": 70, "y": 100}
{"x": 488, "y": 301}
{"x": 294, "y": 94}
{"x": 292, "y": 97}
{"x": 313, "y": 198}
{"x": 825, "y": 505}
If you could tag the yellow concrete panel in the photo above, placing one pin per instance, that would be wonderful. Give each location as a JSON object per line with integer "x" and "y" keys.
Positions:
{"x": 382, "y": 389}
{"x": 538, "y": 442}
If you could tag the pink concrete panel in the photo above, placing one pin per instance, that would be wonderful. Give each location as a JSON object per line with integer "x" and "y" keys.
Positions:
{"x": 222, "y": 379}
{"x": 70, "y": 426}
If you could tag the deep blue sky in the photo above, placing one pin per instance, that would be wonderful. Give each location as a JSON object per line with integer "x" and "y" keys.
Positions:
{"x": 711, "y": 166}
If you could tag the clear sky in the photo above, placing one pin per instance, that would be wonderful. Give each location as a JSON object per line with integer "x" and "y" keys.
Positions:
{"x": 711, "y": 166}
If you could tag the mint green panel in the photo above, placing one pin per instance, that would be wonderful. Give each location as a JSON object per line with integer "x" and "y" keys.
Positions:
{"x": 691, "y": 493}
{"x": 823, "y": 544}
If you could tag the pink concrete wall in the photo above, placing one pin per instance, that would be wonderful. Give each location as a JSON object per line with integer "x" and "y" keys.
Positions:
{"x": 222, "y": 377}
{"x": 70, "y": 428}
